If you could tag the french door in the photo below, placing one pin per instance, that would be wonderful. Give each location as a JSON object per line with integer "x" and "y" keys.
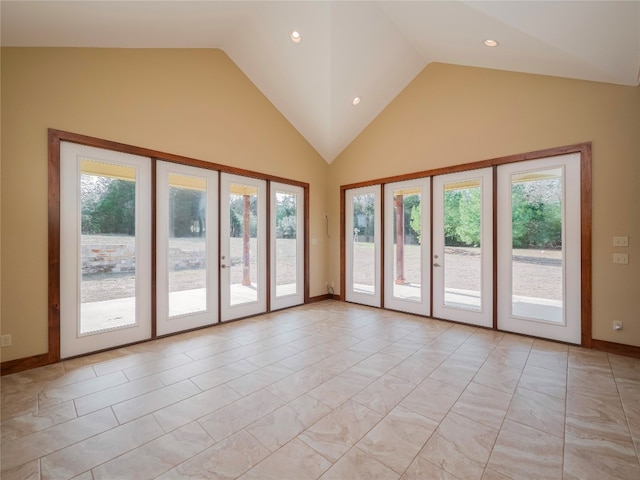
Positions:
{"x": 362, "y": 245}
{"x": 407, "y": 249}
{"x": 463, "y": 247}
{"x": 147, "y": 247}
{"x": 105, "y": 259}
{"x": 287, "y": 245}
{"x": 533, "y": 285}
{"x": 243, "y": 246}
{"x": 187, "y": 247}
{"x": 539, "y": 248}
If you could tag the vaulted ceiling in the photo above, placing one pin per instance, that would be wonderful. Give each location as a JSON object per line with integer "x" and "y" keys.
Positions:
{"x": 366, "y": 49}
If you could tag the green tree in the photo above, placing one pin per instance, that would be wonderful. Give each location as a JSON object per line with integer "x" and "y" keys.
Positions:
{"x": 236, "y": 205}
{"x": 187, "y": 212}
{"x": 410, "y": 202}
{"x": 286, "y": 215}
{"x": 416, "y": 221}
{"x": 92, "y": 189}
{"x": 451, "y": 216}
{"x": 537, "y": 214}
{"x": 286, "y": 227}
{"x": 235, "y": 224}
{"x": 363, "y": 216}
{"x": 468, "y": 229}
{"x": 112, "y": 209}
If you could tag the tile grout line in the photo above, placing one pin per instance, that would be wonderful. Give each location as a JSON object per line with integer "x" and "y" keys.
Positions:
{"x": 636, "y": 443}
{"x": 486, "y": 465}
{"x": 448, "y": 411}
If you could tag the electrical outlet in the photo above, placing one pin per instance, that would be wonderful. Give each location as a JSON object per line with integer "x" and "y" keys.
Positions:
{"x": 617, "y": 325}
{"x": 621, "y": 258}
{"x": 5, "y": 340}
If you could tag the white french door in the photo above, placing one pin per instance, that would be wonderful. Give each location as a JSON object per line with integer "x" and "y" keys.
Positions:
{"x": 362, "y": 245}
{"x": 187, "y": 247}
{"x": 539, "y": 248}
{"x": 407, "y": 250}
{"x": 105, "y": 259}
{"x": 287, "y": 245}
{"x": 463, "y": 247}
{"x": 243, "y": 246}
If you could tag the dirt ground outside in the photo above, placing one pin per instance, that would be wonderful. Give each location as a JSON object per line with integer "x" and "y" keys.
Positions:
{"x": 536, "y": 273}
{"x": 110, "y": 286}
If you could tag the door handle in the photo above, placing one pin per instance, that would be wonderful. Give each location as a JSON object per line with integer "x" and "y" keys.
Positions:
{"x": 436, "y": 264}
{"x": 223, "y": 266}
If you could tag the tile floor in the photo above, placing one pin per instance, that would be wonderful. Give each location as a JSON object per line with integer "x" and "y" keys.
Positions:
{"x": 327, "y": 391}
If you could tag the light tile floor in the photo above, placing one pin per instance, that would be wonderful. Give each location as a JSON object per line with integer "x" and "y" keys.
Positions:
{"x": 327, "y": 391}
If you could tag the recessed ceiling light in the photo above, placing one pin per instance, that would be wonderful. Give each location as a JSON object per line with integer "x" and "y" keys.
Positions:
{"x": 295, "y": 36}
{"x": 355, "y": 101}
{"x": 491, "y": 43}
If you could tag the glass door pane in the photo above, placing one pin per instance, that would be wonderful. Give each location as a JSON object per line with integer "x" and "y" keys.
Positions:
{"x": 363, "y": 268}
{"x": 106, "y": 243}
{"x": 536, "y": 233}
{"x": 243, "y": 246}
{"x": 362, "y": 218}
{"x": 287, "y": 245}
{"x": 462, "y": 245}
{"x": 462, "y": 253}
{"x": 187, "y": 247}
{"x": 243, "y": 256}
{"x": 108, "y": 246}
{"x": 539, "y": 248}
{"x": 407, "y": 235}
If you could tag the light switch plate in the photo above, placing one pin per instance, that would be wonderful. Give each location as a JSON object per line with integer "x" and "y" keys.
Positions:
{"x": 620, "y": 241}
{"x": 621, "y": 258}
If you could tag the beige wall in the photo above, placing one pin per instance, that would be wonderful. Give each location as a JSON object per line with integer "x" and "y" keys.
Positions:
{"x": 195, "y": 103}
{"x": 450, "y": 115}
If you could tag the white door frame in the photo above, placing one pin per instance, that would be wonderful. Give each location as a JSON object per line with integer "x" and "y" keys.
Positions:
{"x": 72, "y": 341}
{"x": 372, "y": 299}
{"x": 296, "y": 297}
{"x": 165, "y": 323}
{"x": 421, "y": 307}
{"x": 228, "y": 311}
{"x": 483, "y": 316}
{"x": 570, "y": 327}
